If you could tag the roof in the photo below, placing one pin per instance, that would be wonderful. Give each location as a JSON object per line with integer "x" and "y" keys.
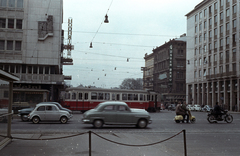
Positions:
{"x": 6, "y": 76}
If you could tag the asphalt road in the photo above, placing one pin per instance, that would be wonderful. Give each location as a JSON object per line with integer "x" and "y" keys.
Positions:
{"x": 202, "y": 138}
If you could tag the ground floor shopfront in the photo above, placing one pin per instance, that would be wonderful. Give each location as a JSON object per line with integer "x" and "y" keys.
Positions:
{"x": 224, "y": 91}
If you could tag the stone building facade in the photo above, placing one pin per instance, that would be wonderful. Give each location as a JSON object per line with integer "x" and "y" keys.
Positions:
{"x": 31, "y": 46}
{"x": 213, "y": 53}
{"x": 170, "y": 70}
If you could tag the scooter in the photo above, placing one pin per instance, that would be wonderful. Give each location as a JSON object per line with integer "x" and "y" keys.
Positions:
{"x": 224, "y": 117}
{"x": 179, "y": 118}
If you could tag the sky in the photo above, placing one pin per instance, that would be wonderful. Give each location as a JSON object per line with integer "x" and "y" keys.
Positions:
{"x": 135, "y": 28}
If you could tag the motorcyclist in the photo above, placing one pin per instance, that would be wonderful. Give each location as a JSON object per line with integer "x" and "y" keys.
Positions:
{"x": 181, "y": 109}
{"x": 217, "y": 111}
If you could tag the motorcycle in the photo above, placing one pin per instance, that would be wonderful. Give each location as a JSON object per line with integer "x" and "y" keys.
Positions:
{"x": 224, "y": 117}
{"x": 179, "y": 118}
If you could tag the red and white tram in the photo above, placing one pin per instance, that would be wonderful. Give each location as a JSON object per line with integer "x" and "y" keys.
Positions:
{"x": 83, "y": 99}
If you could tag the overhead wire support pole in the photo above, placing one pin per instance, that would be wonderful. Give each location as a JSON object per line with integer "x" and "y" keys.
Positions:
{"x": 185, "y": 143}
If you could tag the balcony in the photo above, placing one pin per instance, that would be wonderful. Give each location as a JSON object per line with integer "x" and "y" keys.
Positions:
{"x": 41, "y": 78}
{"x": 221, "y": 75}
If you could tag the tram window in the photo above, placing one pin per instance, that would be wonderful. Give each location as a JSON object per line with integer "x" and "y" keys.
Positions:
{"x": 73, "y": 96}
{"x": 124, "y": 96}
{"x": 100, "y": 96}
{"x": 118, "y": 96}
{"x": 67, "y": 96}
{"x": 94, "y": 96}
{"x": 107, "y": 96}
{"x": 148, "y": 97}
{"x": 113, "y": 96}
{"x": 130, "y": 96}
{"x": 141, "y": 97}
{"x": 80, "y": 96}
{"x": 86, "y": 96}
{"x": 152, "y": 98}
{"x": 135, "y": 97}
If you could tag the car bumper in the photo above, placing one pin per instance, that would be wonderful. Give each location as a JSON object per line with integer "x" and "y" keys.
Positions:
{"x": 87, "y": 121}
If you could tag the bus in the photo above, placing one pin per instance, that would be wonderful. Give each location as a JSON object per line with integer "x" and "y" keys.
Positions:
{"x": 83, "y": 99}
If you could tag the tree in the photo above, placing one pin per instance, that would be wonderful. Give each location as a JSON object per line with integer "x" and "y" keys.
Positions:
{"x": 130, "y": 83}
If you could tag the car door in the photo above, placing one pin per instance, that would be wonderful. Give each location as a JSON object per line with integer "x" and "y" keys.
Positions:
{"x": 41, "y": 112}
{"x": 124, "y": 115}
{"x": 52, "y": 113}
{"x": 109, "y": 114}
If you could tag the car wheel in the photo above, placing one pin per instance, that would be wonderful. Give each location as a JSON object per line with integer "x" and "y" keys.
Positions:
{"x": 35, "y": 119}
{"x": 64, "y": 120}
{"x": 142, "y": 123}
{"x": 98, "y": 123}
{"x": 24, "y": 118}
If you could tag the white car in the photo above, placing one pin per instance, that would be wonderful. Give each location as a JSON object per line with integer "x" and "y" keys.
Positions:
{"x": 189, "y": 107}
{"x": 197, "y": 108}
{"x": 48, "y": 112}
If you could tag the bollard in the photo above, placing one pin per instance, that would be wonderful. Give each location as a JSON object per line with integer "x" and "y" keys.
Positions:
{"x": 185, "y": 143}
{"x": 90, "y": 143}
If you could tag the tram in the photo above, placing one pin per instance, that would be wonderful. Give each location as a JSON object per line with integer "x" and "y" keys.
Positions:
{"x": 83, "y": 99}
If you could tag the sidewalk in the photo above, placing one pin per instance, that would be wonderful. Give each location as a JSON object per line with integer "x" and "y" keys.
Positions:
{"x": 79, "y": 145}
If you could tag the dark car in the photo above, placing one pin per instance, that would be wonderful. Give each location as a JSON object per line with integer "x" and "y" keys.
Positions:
{"x": 24, "y": 112}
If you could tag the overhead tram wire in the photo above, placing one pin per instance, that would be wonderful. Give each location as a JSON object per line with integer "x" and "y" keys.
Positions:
{"x": 100, "y": 25}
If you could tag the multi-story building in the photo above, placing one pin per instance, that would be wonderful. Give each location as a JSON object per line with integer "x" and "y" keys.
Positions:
{"x": 148, "y": 72}
{"x": 31, "y": 46}
{"x": 170, "y": 70}
{"x": 213, "y": 53}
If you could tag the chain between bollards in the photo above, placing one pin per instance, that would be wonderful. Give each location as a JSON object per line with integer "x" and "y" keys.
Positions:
{"x": 185, "y": 143}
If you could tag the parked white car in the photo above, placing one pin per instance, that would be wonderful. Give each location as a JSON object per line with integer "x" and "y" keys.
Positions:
{"x": 206, "y": 108}
{"x": 189, "y": 107}
{"x": 197, "y": 108}
{"x": 48, "y": 112}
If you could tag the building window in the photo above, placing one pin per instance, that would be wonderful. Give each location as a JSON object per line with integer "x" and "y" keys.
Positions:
{"x": 200, "y": 62}
{"x": 210, "y": 34}
{"x": 215, "y": 70}
{"x": 196, "y": 18}
{"x": 19, "y": 24}
{"x": 205, "y": 36}
{"x": 195, "y": 51}
{"x": 234, "y": 67}
{"x": 195, "y": 40}
{"x": 200, "y": 73}
{"x": 227, "y": 13}
{"x": 18, "y": 45}
{"x": 227, "y": 68}
{"x": 11, "y": 23}
{"x": 215, "y": 44}
{"x": 209, "y": 59}
{"x": 221, "y": 29}
{"x": 210, "y": 22}
{"x": 19, "y": 3}
{"x": 227, "y": 27}
{"x": 221, "y": 42}
{"x": 227, "y": 40}
{"x": 41, "y": 70}
{"x": 46, "y": 70}
{"x": 2, "y": 45}
{"x": 234, "y": 53}
{"x": 196, "y": 29}
{"x": 215, "y": 57}
{"x": 210, "y": 46}
{"x": 215, "y": 6}
{"x": 221, "y": 2}
{"x": 221, "y": 56}
{"x": 234, "y": 9}
{"x": 195, "y": 63}
{"x": 11, "y": 3}
{"x": 195, "y": 74}
{"x": 209, "y": 71}
{"x": 2, "y": 23}
{"x": 3, "y": 3}
{"x": 200, "y": 15}
{"x": 234, "y": 23}
{"x": 200, "y": 27}
{"x": 205, "y": 48}
{"x": 205, "y": 24}
{"x": 204, "y": 72}
{"x": 221, "y": 16}
{"x": 205, "y": 60}
{"x": 220, "y": 69}
{"x": 234, "y": 39}
{"x": 205, "y": 12}
{"x": 200, "y": 38}
{"x": 210, "y": 10}
{"x": 215, "y": 19}
{"x": 215, "y": 32}
{"x": 9, "y": 45}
